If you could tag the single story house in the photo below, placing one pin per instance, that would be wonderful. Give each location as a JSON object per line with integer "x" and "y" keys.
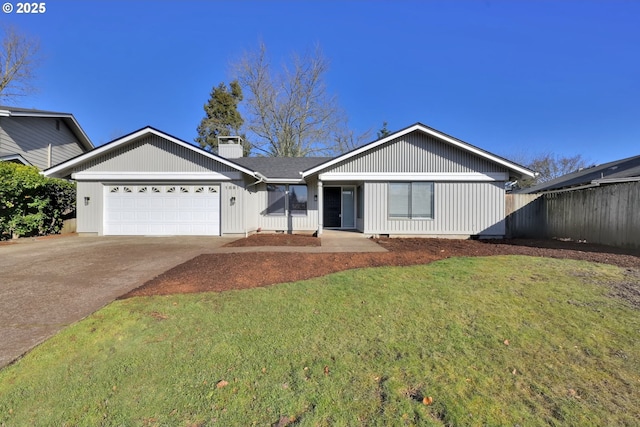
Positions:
{"x": 415, "y": 182}
{"x": 615, "y": 172}
{"x": 40, "y": 138}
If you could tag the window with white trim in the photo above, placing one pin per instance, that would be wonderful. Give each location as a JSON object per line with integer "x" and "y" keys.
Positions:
{"x": 297, "y": 199}
{"x": 276, "y": 195}
{"x": 282, "y": 198}
{"x": 411, "y": 200}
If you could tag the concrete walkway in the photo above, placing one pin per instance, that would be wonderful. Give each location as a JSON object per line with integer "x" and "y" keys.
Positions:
{"x": 48, "y": 284}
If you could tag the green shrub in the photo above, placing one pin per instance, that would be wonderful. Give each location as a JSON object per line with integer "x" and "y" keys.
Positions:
{"x": 30, "y": 204}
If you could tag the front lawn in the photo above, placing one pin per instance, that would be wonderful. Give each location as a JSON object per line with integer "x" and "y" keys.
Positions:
{"x": 465, "y": 341}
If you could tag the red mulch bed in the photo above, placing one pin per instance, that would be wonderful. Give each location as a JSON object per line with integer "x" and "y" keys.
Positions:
{"x": 276, "y": 239}
{"x": 222, "y": 272}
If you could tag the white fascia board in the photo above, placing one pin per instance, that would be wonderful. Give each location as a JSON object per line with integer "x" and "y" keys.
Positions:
{"x": 17, "y": 157}
{"x": 66, "y": 166}
{"x": 157, "y": 176}
{"x": 284, "y": 181}
{"x": 85, "y": 141}
{"x": 429, "y": 131}
{"x": 415, "y": 176}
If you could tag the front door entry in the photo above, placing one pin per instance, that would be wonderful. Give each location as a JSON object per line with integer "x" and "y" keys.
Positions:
{"x": 332, "y": 199}
{"x": 338, "y": 208}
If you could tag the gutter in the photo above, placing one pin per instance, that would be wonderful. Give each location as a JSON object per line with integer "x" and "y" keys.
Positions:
{"x": 261, "y": 178}
{"x": 596, "y": 183}
{"x": 616, "y": 180}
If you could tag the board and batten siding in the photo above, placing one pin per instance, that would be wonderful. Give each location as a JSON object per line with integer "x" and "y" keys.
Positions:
{"x": 460, "y": 209}
{"x": 232, "y": 208}
{"x": 153, "y": 154}
{"x": 417, "y": 152}
{"x": 298, "y": 223}
{"x": 89, "y": 216}
{"x": 31, "y": 137}
{"x": 156, "y": 154}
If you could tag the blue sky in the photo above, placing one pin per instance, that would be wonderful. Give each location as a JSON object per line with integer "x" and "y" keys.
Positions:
{"x": 515, "y": 78}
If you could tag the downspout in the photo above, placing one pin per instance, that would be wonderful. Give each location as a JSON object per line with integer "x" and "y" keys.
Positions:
{"x": 261, "y": 178}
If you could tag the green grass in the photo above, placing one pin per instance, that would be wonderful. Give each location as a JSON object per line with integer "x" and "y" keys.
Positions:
{"x": 388, "y": 337}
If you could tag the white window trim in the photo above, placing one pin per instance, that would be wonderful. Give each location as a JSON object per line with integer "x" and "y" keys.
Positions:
{"x": 415, "y": 176}
{"x": 411, "y": 218}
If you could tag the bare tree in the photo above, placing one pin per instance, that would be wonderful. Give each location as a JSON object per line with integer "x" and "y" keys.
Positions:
{"x": 549, "y": 166}
{"x": 290, "y": 114}
{"x": 18, "y": 58}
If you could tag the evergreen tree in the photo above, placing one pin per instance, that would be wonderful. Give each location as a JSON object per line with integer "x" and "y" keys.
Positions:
{"x": 222, "y": 117}
{"x": 384, "y": 131}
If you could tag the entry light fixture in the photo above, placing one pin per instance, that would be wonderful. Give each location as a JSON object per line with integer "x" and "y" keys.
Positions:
{"x": 315, "y": 197}
{"x": 86, "y": 201}
{"x": 233, "y": 200}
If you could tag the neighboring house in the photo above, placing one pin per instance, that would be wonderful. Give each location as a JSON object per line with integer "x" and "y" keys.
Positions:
{"x": 618, "y": 171}
{"x": 417, "y": 181}
{"x": 40, "y": 138}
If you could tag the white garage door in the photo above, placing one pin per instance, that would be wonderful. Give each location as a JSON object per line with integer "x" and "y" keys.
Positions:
{"x": 162, "y": 210}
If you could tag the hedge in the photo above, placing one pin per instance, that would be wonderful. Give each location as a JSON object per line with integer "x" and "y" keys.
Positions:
{"x": 30, "y": 204}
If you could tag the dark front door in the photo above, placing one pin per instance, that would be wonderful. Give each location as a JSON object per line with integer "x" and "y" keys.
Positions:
{"x": 332, "y": 199}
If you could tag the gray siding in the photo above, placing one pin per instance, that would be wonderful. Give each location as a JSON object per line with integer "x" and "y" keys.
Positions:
{"x": 31, "y": 136}
{"x": 89, "y": 217}
{"x": 417, "y": 152}
{"x": 252, "y": 197}
{"x": 308, "y": 222}
{"x": 460, "y": 209}
{"x": 153, "y": 154}
{"x": 232, "y": 213}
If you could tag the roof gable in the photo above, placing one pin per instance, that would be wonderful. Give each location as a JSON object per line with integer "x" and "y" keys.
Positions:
{"x": 420, "y": 128}
{"x": 68, "y": 119}
{"x": 66, "y": 168}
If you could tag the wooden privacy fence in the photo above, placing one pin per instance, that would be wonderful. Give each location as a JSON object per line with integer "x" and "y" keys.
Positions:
{"x": 608, "y": 214}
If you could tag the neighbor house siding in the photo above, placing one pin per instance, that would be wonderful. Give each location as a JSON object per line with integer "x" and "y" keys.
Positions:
{"x": 89, "y": 217}
{"x": 416, "y": 152}
{"x": 31, "y": 137}
{"x": 460, "y": 209}
{"x": 153, "y": 154}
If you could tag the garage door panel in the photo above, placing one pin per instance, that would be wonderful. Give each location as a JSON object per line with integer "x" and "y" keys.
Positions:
{"x": 162, "y": 210}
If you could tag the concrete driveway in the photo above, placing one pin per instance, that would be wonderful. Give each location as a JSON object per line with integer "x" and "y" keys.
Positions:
{"x": 45, "y": 285}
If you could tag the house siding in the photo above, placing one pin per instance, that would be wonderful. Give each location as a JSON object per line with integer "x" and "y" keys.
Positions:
{"x": 89, "y": 217}
{"x": 153, "y": 154}
{"x": 304, "y": 223}
{"x": 156, "y": 154}
{"x": 232, "y": 212}
{"x": 31, "y": 136}
{"x": 460, "y": 209}
{"x": 416, "y": 152}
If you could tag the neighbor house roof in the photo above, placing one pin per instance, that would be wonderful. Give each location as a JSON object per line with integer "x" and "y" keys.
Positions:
{"x": 281, "y": 168}
{"x": 67, "y": 118}
{"x": 15, "y": 158}
{"x": 515, "y": 168}
{"x": 617, "y": 171}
